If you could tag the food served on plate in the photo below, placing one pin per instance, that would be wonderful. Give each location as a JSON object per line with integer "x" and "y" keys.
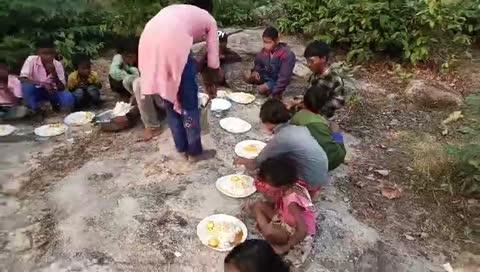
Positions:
{"x": 50, "y": 130}
{"x": 235, "y": 125}
{"x": 79, "y": 118}
{"x": 237, "y": 186}
{"x": 221, "y": 232}
{"x": 249, "y": 149}
{"x": 241, "y": 97}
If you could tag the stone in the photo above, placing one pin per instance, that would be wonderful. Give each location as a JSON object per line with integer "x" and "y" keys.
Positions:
{"x": 11, "y": 187}
{"x": 383, "y": 172}
{"x": 428, "y": 95}
{"x": 19, "y": 241}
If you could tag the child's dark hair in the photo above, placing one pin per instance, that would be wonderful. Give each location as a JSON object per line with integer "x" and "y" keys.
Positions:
{"x": 203, "y": 4}
{"x": 256, "y": 256}
{"x": 128, "y": 45}
{"x": 317, "y": 49}
{"x": 279, "y": 171}
{"x": 275, "y": 112}
{"x": 45, "y": 43}
{"x": 316, "y": 97}
{"x": 81, "y": 59}
{"x": 270, "y": 32}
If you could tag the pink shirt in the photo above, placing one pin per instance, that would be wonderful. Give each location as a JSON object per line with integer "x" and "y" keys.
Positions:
{"x": 9, "y": 97}
{"x": 165, "y": 44}
{"x": 33, "y": 69}
{"x": 302, "y": 200}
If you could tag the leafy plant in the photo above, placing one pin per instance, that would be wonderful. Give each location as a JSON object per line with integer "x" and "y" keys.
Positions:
{"x": 416, "y": 30}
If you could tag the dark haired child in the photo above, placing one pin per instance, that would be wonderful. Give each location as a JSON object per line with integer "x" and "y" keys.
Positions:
{"x": 288, "y": 224}
{"x": 123, "y": 70}
{"x": 329, "y": 137}
{"x": 254, "y": 256}
{"x": 317, "y": 54}
{"x": 84, "y": 83}
{"x": 43, "y": 80}
{"x": 10, "y": 96}
{"x": 295, "y": 141}
{"x": 228, "y": 59}
{"x": 273, "y": 66}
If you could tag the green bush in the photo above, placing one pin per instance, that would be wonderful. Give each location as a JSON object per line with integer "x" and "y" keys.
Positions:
{"x": 75, "y": 25}
{"x": 417, "y": 30}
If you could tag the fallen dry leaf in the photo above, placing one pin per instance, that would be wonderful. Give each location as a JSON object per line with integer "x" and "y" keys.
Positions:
{"x": 455, "y": 116}
{"x": 383, "y": 172}
{"x": 391, "y": 192}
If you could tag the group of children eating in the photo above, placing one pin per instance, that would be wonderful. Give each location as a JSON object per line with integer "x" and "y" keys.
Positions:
{"x": 42, "y": 81}
{"x": 292, "y": 168}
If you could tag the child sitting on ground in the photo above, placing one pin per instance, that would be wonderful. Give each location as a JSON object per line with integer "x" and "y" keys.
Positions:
{"x": 295, "y": 141}
{"x": 228, "y": 57}
{"x": 123, "y": 70}
{"x": 254, "y": 256}
{"x": 330, "y": 139}
{"x": 43, "y": 80}
{"x": 84, "y": 83}
{"x": 274, "y": 65}
{"x": 288, "y": 224}
{"x": 317, "y": 55}
{"x": 10, "y": 96}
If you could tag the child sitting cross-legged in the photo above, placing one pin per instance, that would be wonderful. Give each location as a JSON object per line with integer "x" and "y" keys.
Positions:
{"x": 289, "y": 223}
{"x": 84, "y": 83}
{"x": 123, "y": 70}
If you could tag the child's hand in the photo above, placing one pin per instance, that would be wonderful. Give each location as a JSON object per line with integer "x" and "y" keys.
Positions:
{"x": 255, "y": 75}
{"x": 281, "y": 249}
{"x": 334, "y": 127}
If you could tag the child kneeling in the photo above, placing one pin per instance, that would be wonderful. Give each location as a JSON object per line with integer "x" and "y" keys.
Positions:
{"x": 288, "y": 224}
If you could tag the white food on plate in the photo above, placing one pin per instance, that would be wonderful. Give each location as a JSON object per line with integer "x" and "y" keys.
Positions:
{"x": 121, "y": 109}
{"x": 6, "y": 130}
{"x": 50, "y": 130}
{"x": 221, "y": 232}
{"x": 79, "y": 118}
{"x": 220, "y": 104}
{"x": 249, "y": 149}
{"x": 235, "y": 125}
{"x": 241, "y": 97}
{"x": 236, "y": 186}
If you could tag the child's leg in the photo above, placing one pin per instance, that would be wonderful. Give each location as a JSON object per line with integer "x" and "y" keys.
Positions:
{"x": 93, "y": 94}
{"x": 80, "y": 97}
{"x": 64, "y": 100}
{"x": 272, "y": 231}
{"x": 117, "y": 87}
{"x": 34, "y": 96}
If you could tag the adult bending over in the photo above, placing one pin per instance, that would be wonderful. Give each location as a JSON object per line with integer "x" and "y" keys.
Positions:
{"x": 168, "y": 68}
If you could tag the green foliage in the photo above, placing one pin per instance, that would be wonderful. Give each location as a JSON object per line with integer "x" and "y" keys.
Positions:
{"x": 237, "y": 12}
{"x": 417, "y": 30}
{"x": 75, "y": 26}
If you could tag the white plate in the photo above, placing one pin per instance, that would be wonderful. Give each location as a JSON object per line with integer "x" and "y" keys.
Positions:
{"x": 222, "y": 94}
{"x": 205, "y": 233}
{"x": 79, "y": 118}
{"x": 249, "y": 149}
{"x": 220, "y": 104}
{"x": 6, "y": 130}
{"x": 50, "y": 130}
{"x": 241, "y": 97}
{"x": 236, "y": 186}
{"x": 235, "y": 125}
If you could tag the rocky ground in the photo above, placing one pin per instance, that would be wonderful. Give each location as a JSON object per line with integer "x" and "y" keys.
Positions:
{"x": 110, "y": 203}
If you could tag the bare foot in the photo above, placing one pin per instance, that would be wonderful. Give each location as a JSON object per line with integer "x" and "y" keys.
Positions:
{"x": 206, "y": 155}
{"x": 150, "y": 133}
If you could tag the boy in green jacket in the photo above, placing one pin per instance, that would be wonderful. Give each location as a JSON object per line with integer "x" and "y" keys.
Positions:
{"x": 328, "y": 137}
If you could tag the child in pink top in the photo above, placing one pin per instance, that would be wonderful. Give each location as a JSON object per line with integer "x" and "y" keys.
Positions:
{"x": 10, "y": 96}
{"x": 289, "y": 224}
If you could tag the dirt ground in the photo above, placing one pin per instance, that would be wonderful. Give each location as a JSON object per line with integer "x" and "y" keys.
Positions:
{"x": 110, "y": 203}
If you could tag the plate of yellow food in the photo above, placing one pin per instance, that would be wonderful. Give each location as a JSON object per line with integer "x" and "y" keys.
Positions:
{"x": 241, "y": 97}
{"x": 221, "y": 232}
{"x": 6, "y": 130}
{"x": 79, "y": 118}
{"x": 236, "y": 186}
{"x": 50, "y": 130}
{"x": 249, "y": 149}
{"x": 235, "y": 125}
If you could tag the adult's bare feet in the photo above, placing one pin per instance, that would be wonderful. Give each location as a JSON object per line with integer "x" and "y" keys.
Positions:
{"x": 206, "y": 155}
{"x": 150, "y": 133}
